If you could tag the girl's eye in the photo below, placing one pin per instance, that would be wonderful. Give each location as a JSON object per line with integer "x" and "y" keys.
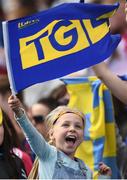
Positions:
{"x": 65, "y": 125}
{"x": 79, "y": 126}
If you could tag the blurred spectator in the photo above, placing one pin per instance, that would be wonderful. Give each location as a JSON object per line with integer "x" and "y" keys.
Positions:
{"x": 60, "y": 95}
{"x": 120, "y": 110}
{"x": 121, "y": 155}
{"x": 5, "y": 92}
{"x": 44, "y": 4}
{"x": 15, "y": 128}
{"x": 11, "y": 166}
{"x": 42, "y": 90}
{"x": 39, "y": 111}
{"x": 18, "y": 8}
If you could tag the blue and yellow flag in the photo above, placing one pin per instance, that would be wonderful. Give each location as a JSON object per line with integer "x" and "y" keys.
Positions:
{"x": 57, "y": 42}
{"x": 91, "y": 96}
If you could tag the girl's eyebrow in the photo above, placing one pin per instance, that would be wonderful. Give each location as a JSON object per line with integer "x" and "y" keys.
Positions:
{"x": 66, "y": 121}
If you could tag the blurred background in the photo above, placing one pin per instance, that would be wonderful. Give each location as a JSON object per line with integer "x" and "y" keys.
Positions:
{"x": 12, "y": 9}
{"x": 41, "y": 98}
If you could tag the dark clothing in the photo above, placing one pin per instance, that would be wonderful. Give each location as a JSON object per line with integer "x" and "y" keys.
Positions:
{"x": 7, "y": 170}
{"x": 121, "y": 155}
{"x": 122, "y": 162}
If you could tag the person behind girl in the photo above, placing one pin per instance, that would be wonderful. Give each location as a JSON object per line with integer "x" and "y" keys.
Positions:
{"x": 65, "y": 127}
{"x": 11, "y": 166}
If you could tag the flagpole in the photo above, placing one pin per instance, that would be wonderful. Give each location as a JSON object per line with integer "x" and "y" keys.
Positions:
{"x": 6, "y": 44}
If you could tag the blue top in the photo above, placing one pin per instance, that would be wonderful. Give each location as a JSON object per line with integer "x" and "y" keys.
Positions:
{"x": 48, "y": 155}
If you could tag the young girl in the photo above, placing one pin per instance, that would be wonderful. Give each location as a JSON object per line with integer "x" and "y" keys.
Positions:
{"x": 66, "y": 130}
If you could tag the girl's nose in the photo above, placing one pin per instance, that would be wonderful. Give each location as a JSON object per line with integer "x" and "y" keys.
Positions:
{"x": 72, "y": 128}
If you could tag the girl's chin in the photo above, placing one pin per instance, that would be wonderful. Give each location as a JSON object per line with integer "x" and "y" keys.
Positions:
{"x": 69, "y": 150}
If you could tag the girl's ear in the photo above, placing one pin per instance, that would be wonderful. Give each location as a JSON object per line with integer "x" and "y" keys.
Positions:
{"x": 51, "y": 137}
{"x": 82, "y": 138}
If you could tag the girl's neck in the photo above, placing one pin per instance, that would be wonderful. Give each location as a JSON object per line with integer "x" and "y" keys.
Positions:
{"x": 71, "y": 156}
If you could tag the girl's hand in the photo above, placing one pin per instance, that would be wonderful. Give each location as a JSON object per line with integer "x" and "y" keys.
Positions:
{"x": 104, "y": 169}
{"x": 15, "y": 105}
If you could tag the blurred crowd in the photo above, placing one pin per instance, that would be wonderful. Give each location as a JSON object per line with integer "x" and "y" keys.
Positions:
{"x": 42, "y": 98}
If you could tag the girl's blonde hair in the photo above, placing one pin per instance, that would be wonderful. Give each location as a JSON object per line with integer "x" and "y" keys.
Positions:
{"x": 54, "y": 115}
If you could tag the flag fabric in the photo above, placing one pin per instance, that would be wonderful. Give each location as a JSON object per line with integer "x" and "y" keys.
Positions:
{"x": 57, "y": 42}
{"x": 92, "y": 97}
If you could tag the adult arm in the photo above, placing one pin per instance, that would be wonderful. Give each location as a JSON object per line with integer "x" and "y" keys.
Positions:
{"x": 117, "y": 86}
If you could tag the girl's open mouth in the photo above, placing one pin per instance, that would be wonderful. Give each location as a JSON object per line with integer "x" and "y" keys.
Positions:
{"x": 71, "y": 139}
